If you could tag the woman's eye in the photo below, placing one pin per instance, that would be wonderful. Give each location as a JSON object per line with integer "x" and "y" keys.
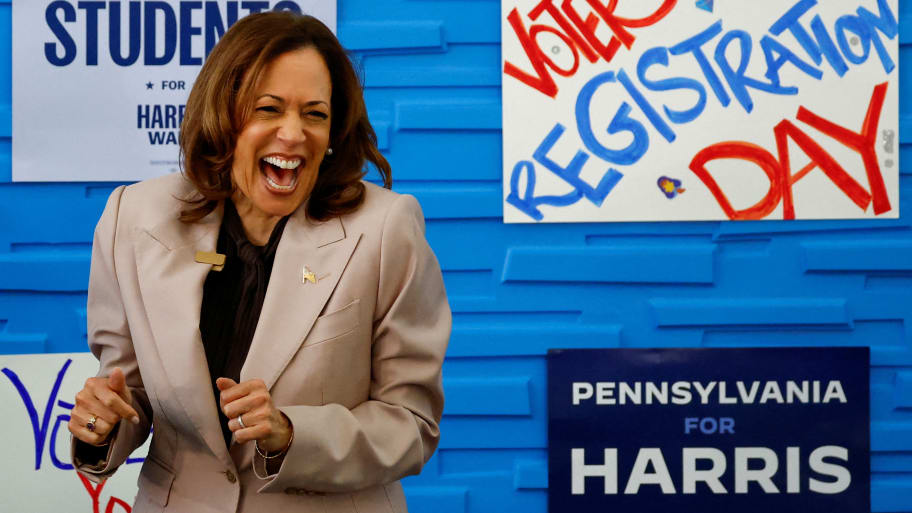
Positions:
{"x": 267, "y": 108}
{"x": 318, "y": 114}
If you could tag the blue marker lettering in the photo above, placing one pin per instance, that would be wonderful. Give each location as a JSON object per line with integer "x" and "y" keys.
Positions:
{"x": 659, "y": 55}
{"x": 737, "y": 80}
{"x": 61, "y": 419}
{"x": 853, "y": 24}
{"x": 694, "y": 45}
{"x": 820, "y": 45}
{"x": 528, "y": 203}
{"x": 886, "y": 24}
{"x": 570, "y": 174}
{"x": 622, "y": 122}
{"x": 40, "y": 430}
{"x": 777, "y": 55}
{"x": 644, "y": 104}
{"x": 828, "y": 47}
{"x": 789, "y": 21}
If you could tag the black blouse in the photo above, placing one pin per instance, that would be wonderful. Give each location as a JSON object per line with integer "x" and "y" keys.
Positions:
{"x": 232, "y": 300}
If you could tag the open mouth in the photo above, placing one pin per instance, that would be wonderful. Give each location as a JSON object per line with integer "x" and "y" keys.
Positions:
{"x": 281, "y": 174}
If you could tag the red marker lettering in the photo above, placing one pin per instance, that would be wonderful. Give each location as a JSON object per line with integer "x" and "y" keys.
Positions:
{"x": 543, "y": 81}
{"x": 779, "y": 170}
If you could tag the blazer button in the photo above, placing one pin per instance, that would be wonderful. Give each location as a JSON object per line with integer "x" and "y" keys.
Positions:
{"x": 229, "y": 475}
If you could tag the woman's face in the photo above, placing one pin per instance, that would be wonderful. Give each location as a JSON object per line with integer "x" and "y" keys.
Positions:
{"x": 279, "y": 150}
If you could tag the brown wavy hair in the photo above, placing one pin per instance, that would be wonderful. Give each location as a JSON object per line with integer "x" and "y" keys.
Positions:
{"x": 221, "y": 101}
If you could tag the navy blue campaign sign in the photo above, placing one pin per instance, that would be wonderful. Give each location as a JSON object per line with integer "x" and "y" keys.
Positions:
{"x": 706, "y": 430}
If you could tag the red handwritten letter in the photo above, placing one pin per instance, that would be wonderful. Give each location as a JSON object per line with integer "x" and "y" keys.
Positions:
{"x": 94, "y": 491}
{"x": 862, "y": 142}
{"x": 114, "y": 501}
{"x": 619, "y": 25}
{"x": 588, "y": 27}
{"x": 547, "y": 5}
{"x": 543, "y": 82}
{"x": 819, "y": 158}
{"x": 750, "y": 153}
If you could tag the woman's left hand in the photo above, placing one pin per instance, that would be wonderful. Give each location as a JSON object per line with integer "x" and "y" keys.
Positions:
{"x": 263, "y": 422}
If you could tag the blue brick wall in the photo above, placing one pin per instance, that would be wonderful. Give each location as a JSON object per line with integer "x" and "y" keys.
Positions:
{"x": 432, "y": 71}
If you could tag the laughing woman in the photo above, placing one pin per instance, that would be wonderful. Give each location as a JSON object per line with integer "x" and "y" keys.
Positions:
{"x": 280, "y": 322}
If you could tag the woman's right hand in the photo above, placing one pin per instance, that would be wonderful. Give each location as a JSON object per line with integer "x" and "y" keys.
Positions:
{"x": 107, "y": 400}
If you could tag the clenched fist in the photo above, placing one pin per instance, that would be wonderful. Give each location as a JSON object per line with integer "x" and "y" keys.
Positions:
{"x": 100, "y": 405}
{"x": 260, "y": 420}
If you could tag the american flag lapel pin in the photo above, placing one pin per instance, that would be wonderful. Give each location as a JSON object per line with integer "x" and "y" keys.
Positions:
{"x": 308, "y": 276}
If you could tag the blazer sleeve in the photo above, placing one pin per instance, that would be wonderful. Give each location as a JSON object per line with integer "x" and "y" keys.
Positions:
{"x": 110, "y": 342}
{"x": 396, "y": 431}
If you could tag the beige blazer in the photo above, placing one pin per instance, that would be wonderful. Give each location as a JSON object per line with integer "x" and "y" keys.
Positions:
{"x": 353, "y": 360}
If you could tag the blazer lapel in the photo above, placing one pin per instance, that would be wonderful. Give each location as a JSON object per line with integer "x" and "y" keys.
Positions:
{"x": 172, "y": 287}
{"x": 293, "y": 302}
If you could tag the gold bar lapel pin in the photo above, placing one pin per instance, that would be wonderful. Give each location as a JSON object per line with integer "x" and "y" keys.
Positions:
{"x": 217, "y": 260}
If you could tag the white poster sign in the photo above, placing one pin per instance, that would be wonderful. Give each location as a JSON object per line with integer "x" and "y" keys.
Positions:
{"x": 37, "y": 392}
{"x": 99, "y": 88}
{"x": 648, "y": 110}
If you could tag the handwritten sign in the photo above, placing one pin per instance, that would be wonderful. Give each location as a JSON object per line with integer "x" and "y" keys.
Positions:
{"x": 647, "y": 110}
{"x": 37, "y": 392}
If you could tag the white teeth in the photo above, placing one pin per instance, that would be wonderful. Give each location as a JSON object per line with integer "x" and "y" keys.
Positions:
{"x": 294, "y": 181}
{"x": 282, "y": 163}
